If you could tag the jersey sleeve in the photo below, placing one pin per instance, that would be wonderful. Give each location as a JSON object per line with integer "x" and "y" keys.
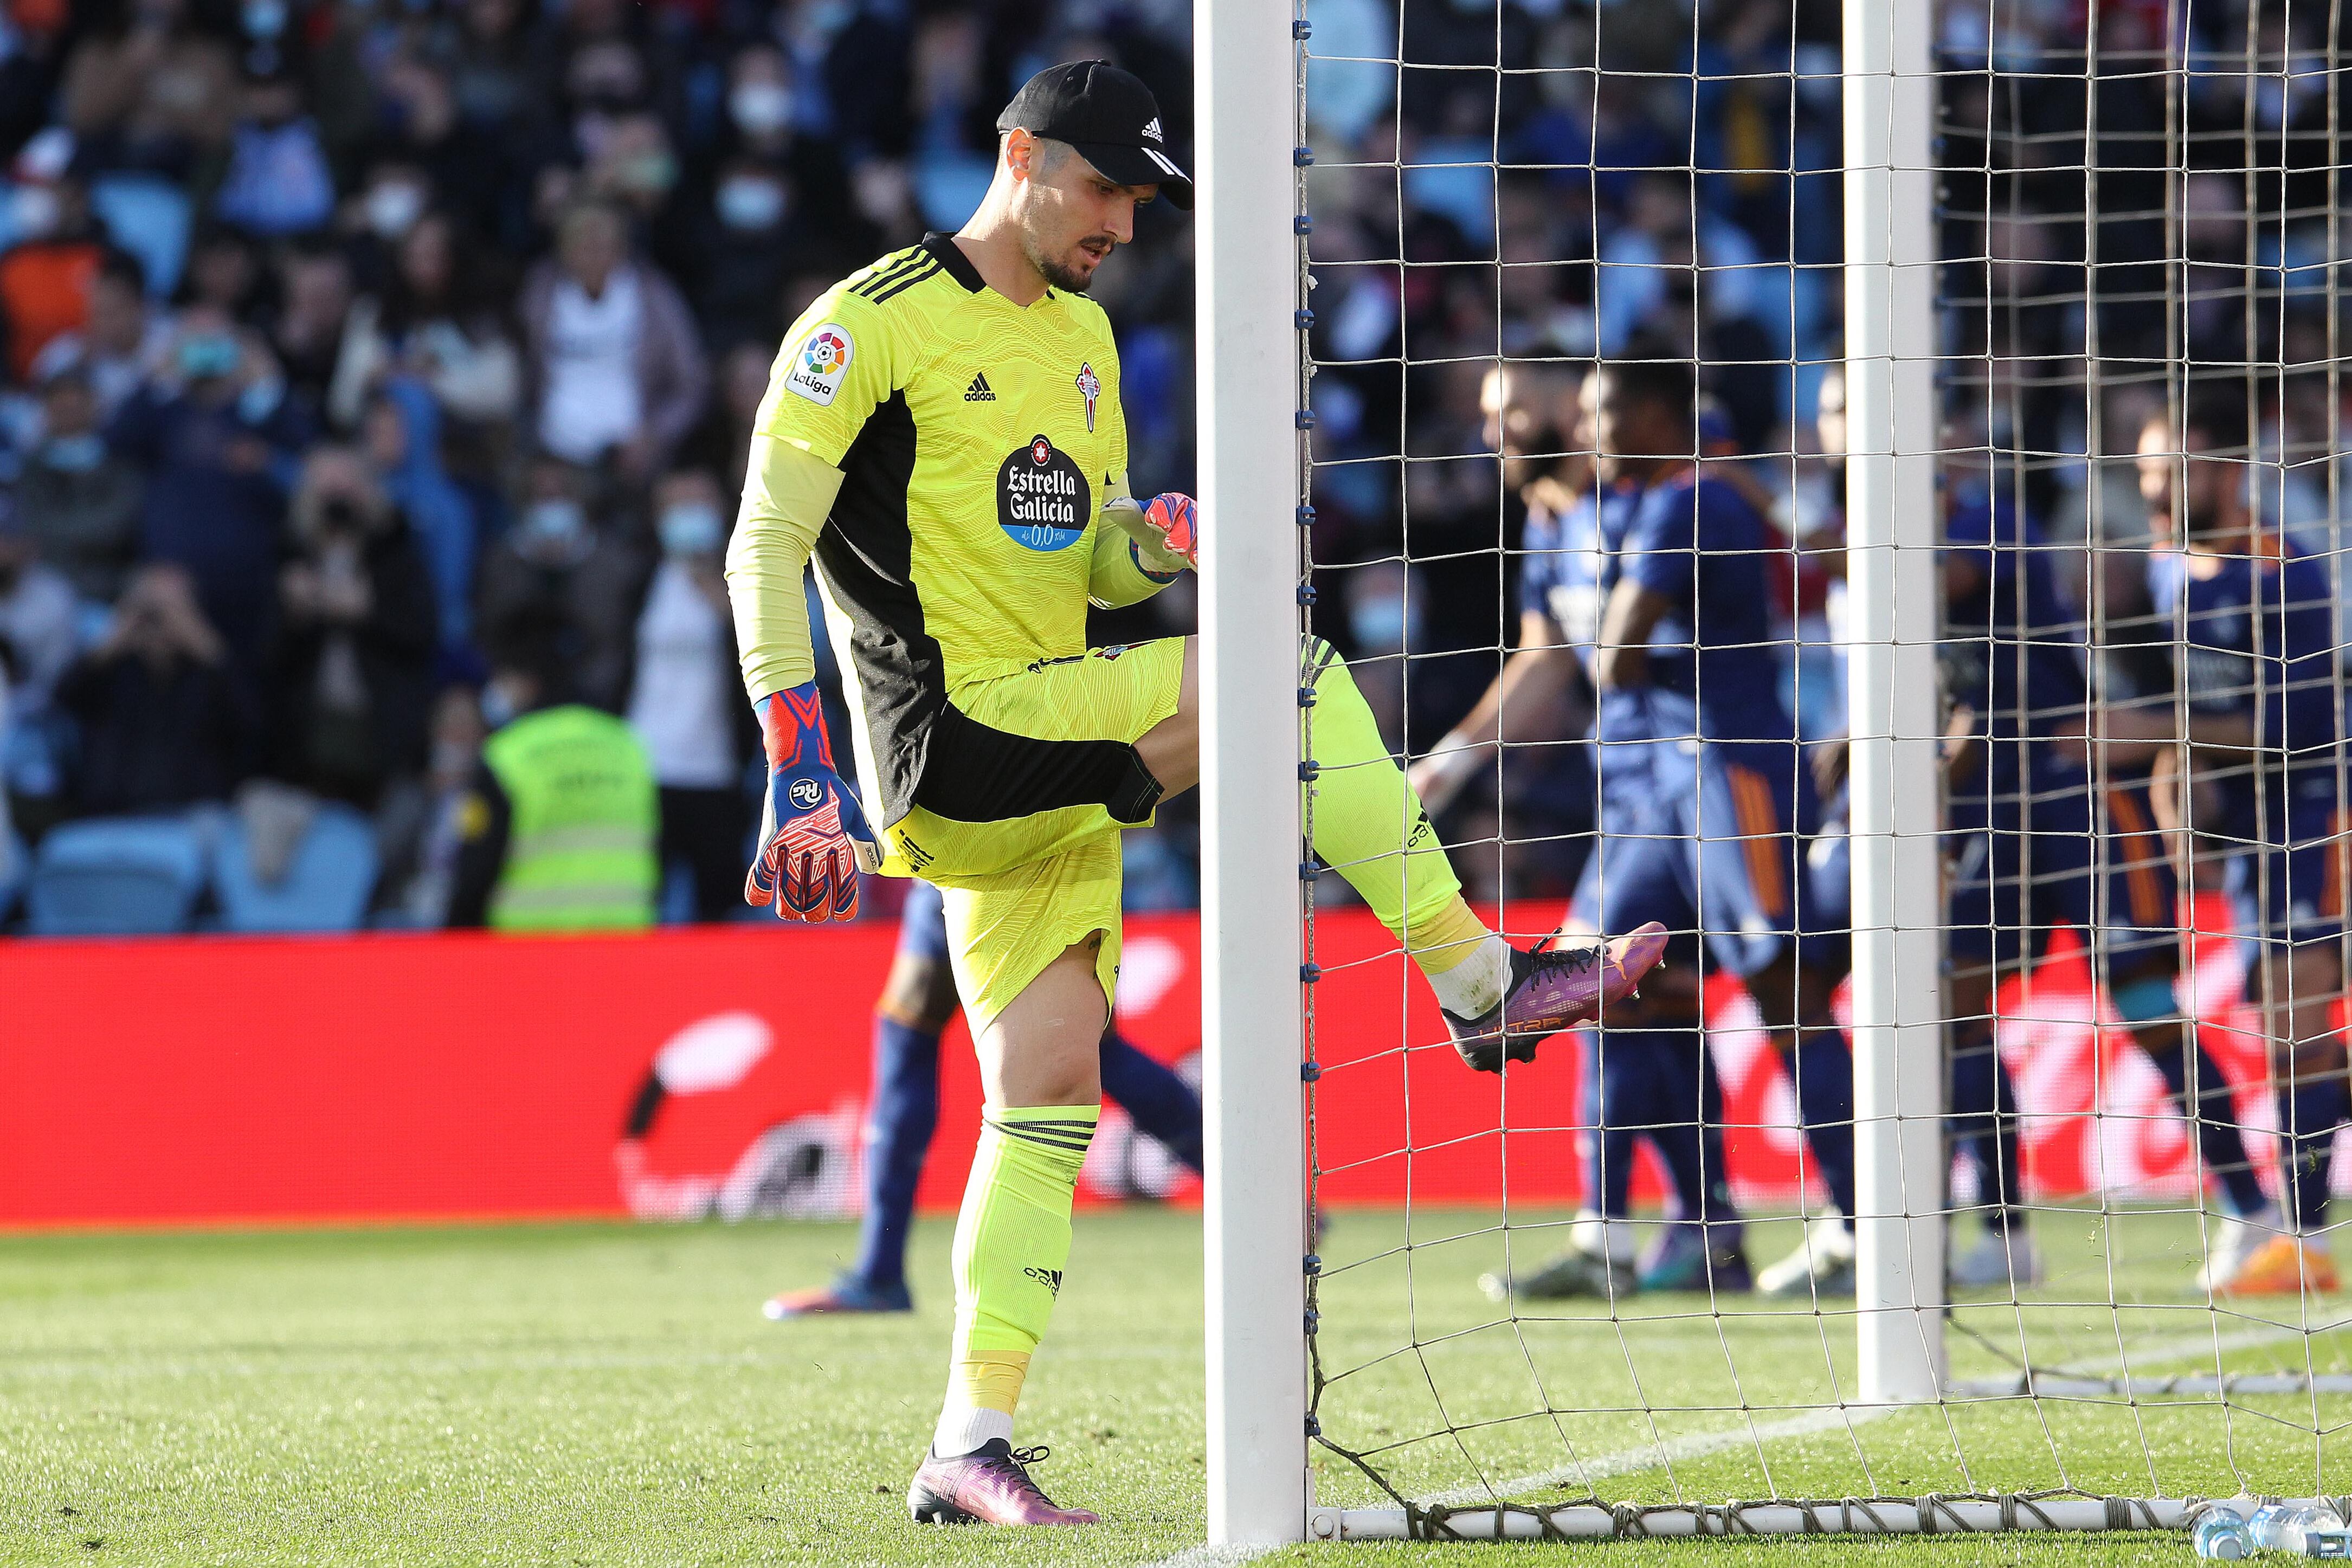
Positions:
{"x": 1118, "y": 576}
{"x": 1660, "y": 546}
{"x": 2307, "y": 687}
{"x": 1539, "y": 565}
{"x": 838, "y": 364}
{"x": 841, "y": 361}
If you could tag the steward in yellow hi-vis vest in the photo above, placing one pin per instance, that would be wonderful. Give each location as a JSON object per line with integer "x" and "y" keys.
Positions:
{"x": 583, "y": 825}
{"x": 559, "y": 828}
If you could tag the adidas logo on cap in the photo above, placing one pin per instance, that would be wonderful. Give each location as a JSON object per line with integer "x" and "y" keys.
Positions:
{"x": 1151, "y": 132}
{"x": 979, "y": 392}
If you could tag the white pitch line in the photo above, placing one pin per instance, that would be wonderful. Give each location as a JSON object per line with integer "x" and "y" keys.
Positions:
{"x": 1697, "y": 1445}
{"x": 1700, "y": 1445}
{"x": 1213, "y": 1557}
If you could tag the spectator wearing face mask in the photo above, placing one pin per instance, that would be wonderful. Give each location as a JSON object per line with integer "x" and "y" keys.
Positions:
{"x": 741, "y": 252}
{"x": 218, "y": 448}
{"x": 165, "y": 722}
{"x": 77, "y": 500}
{"x": 45, "y": 277}
{"x": 761, "y": 114}
{"x": 615, "y": 364}
{"x": 353, "y": 682}
{"x": 566, "y": 561}
{"x": 682, "y": 701}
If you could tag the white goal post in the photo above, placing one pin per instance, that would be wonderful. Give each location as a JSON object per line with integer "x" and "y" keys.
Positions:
{"x": 1892, "y": 629}
{"x": 1251, "y": 383}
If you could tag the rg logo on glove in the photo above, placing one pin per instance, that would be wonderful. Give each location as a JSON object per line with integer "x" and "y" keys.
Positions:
{"x": 806, "y": 793}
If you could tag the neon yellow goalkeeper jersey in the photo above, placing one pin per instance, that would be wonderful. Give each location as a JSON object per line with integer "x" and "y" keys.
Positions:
{"x": 978, "y": 441}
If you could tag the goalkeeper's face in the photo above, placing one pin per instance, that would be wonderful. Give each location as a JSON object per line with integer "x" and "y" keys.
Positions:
{"x": 1071, "y": 217}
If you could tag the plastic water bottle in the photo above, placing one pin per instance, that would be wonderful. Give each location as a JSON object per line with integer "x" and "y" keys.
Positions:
{"x": 2222, "y": 1534}
{"x": 2309, "y": 1525}
{"x": 2288, "y": 1527}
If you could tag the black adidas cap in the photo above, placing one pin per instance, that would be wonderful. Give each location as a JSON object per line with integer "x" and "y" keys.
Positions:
{"x": 1108, "y": 115}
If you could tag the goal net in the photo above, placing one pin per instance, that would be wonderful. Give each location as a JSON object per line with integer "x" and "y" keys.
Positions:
{"x": 1860, "y": 489}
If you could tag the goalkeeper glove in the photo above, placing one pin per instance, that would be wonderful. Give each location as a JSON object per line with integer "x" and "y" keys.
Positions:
{"x": 1165, "y": 533}
{"x": 813, "y": 837}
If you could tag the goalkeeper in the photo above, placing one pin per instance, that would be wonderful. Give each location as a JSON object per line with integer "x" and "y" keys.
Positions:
{"x": 942, "y": 431}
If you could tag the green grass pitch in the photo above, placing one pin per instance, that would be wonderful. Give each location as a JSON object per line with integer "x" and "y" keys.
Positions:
{"x": 604, "y": 1395}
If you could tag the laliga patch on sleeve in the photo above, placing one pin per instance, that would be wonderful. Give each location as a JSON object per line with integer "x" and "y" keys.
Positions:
{"x": 820, "y": 362}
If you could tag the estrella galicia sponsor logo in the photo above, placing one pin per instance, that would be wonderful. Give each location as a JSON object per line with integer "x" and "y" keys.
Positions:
{"x": 1042, "y": 497}
{"x": 819, "y": 364}
{"x": 806, "y": 793}
{"x": 1049, "y": 1277}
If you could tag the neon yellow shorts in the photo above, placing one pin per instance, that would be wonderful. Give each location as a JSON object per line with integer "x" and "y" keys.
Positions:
{"x": 1021, "y": 885}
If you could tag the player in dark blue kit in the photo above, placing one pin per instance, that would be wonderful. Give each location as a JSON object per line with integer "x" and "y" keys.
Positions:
{"x": 2038, "y": 838}
{"x": 2256, "y": 663}
{"x": 917, "y": 1000}
{"x": 1659, "y": 581}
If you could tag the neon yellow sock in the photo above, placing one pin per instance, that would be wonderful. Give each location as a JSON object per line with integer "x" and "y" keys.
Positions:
{"x": 1369, "y": 828}
{"x": 1011, "y": 1243}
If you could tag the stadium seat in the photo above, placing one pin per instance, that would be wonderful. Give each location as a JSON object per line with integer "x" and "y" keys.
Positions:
{"x": 326, "y": 886}
{"x": 115, "y": 876}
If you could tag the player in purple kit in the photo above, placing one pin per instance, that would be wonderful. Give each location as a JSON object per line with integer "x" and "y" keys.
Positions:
{"x": 1535, "y": 420}
{"x": 1661, "y": 581}
{"x": 2256, "y": 663}
{"x": 2038, "y": 839}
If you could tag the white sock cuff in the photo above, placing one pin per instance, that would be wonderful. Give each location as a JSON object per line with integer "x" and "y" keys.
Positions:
{"x": 965, "y": 1428}
{"x": 1472, "y": 988}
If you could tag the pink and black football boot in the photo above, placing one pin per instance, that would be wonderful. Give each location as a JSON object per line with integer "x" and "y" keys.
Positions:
{"x": 990, "y": 1485}
{"x": 1553, "y": 989}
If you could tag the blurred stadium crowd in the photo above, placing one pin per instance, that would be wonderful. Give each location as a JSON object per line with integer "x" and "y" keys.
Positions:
{"x": 343, "y": 335}
{"x": 340, "y": 335}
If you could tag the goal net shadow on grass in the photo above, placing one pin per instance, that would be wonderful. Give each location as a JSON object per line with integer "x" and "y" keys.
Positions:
{"x": 2123, "y": 226}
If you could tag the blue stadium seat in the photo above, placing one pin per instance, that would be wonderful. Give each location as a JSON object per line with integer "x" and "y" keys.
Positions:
{"x": 115, "y": 876}
{"x": 326, "y": 886}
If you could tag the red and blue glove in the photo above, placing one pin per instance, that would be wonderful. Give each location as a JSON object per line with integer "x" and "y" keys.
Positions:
{"x": 814, "y": 835}
{"x": 1176, "y": 519}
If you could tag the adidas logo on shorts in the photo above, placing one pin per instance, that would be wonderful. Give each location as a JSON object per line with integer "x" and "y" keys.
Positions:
{"x": 979, "y": 392}
{"x": 1049, "y": 1277}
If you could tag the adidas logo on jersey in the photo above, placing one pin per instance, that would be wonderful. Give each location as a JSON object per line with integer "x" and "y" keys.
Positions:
{"x": 979, "y": 392}
{"x": 1151, "y": 132}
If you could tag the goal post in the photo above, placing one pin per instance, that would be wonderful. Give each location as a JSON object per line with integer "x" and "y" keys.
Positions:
{"x": 1252, "y": 385}
{"x": 1892, "y": 629}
